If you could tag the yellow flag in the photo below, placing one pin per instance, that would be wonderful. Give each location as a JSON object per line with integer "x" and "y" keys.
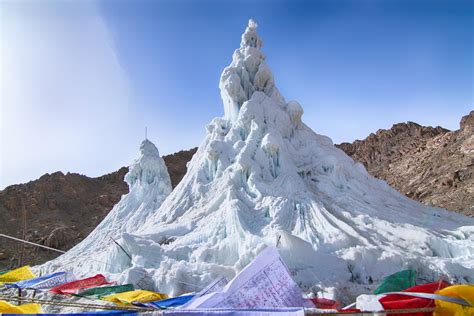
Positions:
{"x": 7, "y": 308}
{"x": 141, "y": 296}
{"x": 464, "y": 291}
{"x": 23, "y": 273}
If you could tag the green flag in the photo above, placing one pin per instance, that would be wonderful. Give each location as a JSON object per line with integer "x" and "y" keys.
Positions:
{"x": 397, "y": 282}
{"x": 98, "y": 292}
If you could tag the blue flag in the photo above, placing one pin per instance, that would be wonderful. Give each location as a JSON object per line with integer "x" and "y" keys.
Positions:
{"x": 43, "y": 282}
{"x": 170, "y": 302}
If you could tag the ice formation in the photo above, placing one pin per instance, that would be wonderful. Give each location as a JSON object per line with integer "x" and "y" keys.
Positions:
{"x": 262, "y": 177}
{"x": 149, "y": 184}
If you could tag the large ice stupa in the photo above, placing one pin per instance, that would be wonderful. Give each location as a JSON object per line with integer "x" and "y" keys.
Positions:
{"x": 149, "y": 184}
{"x": 262, "y": 177}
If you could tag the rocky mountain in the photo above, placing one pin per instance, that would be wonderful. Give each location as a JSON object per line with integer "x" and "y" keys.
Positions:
{"x": 59, "y": 210}
{"x": 432, "y": 165}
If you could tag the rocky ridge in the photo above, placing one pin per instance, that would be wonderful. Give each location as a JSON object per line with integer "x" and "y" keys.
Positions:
{"x": 430, "y": 164}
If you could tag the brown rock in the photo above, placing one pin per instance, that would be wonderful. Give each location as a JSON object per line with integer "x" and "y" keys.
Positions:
{"x": 467, "y": 121}
{"x": 432, "y": 165}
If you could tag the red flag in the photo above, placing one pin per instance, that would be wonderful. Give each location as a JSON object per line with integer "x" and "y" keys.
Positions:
{"x": 324, "y": 303}
{"x": 396, "y": 301}
{"x": 75, "y": 286}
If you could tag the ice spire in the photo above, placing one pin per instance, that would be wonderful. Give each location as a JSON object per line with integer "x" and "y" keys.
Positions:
{"x": 250, "y": 37}
{"x": 247, "y": 73}
{"x": 149, "y": 168}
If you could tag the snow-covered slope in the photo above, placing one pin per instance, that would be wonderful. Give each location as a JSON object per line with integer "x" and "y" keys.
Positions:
{"x": 149, "y": 184}
{"x": 262, "y": 177}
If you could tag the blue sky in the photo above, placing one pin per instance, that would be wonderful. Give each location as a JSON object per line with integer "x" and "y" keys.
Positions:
{"x": 80, "y": 80}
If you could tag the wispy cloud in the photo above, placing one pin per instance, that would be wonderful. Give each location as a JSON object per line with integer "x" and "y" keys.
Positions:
{"x": 64, "y": 95}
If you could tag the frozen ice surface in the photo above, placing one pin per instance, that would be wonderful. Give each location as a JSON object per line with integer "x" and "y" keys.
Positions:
{"x": 262, "y": 177}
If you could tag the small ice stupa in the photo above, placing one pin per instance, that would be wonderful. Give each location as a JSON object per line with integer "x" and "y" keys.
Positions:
{"x": 149, "y": 184}
{"x": 262, "y": 177}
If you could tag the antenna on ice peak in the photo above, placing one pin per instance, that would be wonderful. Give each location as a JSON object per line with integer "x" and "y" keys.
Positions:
{"x": 146, "y": 132}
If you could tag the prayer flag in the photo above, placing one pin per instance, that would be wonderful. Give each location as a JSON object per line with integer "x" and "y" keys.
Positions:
{"x": 43, "y": 282}
{"x": 23, "y": 273}
{"x": 141, "y": 296}
{"x": 465, "y": 292}
{"x": 397, "y": 282}
{"x": 75, "y": 286}
{"x": 99, "y": 292}
{"x": 7, "y": 308}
